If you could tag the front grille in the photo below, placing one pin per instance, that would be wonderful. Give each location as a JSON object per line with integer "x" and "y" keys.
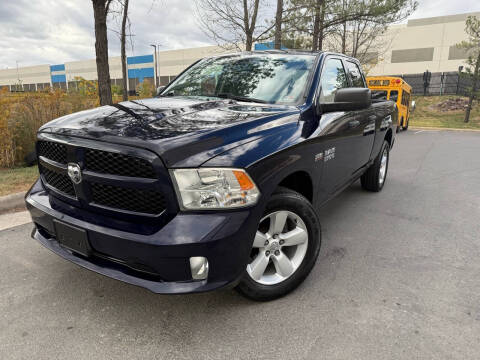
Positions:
{"x": 138, "y": 189}
{"x": 58, "y": 181}
{"x": 143, "y": 201}
{"x": 53, "y": 151}
{"x": 117, "y": 164}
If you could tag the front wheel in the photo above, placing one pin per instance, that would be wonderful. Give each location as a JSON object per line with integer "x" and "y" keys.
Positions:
{"x": 405, "y": 128}
{"x": 374, "y": 178}
{"x": 285, "y": 247}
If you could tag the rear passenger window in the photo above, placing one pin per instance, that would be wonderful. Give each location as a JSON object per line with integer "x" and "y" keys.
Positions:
{"x": 333, "y": 78}
{"x": 355, "y": 74}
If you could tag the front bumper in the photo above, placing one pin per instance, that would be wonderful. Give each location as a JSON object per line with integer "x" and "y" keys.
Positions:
{"x": 160, "y": 261}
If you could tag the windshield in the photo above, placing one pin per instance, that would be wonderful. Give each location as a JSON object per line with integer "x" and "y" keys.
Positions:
{"x": 264, "y": 78}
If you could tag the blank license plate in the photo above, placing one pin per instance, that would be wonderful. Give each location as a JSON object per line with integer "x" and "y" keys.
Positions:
{"x": 72, "y": 237}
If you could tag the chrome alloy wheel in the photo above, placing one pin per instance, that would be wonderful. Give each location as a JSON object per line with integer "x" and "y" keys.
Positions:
{"x": 383, "y": 166}
{"x": 279, "y": 247}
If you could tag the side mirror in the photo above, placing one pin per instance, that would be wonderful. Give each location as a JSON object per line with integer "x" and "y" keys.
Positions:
{"x": 349, "y": 99}
{"x": 412, "y": 109}
{"x": 160, "y": 89}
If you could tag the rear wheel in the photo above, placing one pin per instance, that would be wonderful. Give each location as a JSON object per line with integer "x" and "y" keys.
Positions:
{"x": 374, "y": 178}
{"x": 405, "y": 128}
{"x": 285, "y": 247}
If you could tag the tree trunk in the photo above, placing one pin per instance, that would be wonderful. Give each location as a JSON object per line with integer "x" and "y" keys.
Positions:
{"x": 249, "y": 42}
{"x": 321, "y": 27}
{"x": 249, "y": 25}
{"x": 344, "y": 28}
{"x": 101, "y": 50}
{"x": 278, "y": 25}
{"x": 123, "y": 51}
{"x": 344, "y": 38}
{"x": 316, "y": 25}
{"x": 474, "y": 89}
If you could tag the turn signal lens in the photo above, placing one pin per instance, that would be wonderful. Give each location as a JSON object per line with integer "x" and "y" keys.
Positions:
{"x": 243, "y": 180}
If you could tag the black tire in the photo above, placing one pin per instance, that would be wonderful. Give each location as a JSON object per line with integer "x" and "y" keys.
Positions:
{"x": 286, "y": 199}
{"x": 405, "y": 128}
{"x": 371, "y": 178}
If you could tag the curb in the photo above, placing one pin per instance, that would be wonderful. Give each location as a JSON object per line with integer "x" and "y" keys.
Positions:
{"x": 12, "y": 201}
{"x": 442, "y": 129}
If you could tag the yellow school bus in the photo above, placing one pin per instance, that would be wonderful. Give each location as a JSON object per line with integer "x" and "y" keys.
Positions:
{"x": 397, "y": 90}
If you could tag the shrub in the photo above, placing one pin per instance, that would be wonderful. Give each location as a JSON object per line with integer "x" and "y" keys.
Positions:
{"x": 7, "y": 151}
{"x": 117, "y": 90}
{"x": 146, "y": 89}
{"x": 22, "y": 114}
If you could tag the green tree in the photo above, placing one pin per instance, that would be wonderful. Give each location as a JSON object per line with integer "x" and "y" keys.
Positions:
{"x": 472, "y": 47}
{"x": 350, "y": 25}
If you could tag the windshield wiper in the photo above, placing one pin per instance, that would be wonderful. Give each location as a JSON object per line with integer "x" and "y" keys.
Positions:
{"x": 170, "y": 93}
{"x": 240, "y": 98}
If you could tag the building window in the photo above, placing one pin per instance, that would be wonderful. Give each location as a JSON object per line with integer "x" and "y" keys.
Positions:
{"x": 412, "y": 55}
{"x": 456, "y": 53}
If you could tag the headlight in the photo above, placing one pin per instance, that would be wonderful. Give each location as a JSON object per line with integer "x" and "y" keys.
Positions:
{"x": 211, "y": 188}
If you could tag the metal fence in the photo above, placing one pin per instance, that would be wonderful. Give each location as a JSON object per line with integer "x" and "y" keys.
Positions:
{"x": 445, "y": 83}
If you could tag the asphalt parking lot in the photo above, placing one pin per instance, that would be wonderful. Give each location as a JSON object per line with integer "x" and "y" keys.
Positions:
{"x": 398, "y": 277}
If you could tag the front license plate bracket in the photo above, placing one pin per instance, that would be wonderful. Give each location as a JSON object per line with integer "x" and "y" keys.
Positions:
{"x": 72, "y": 238}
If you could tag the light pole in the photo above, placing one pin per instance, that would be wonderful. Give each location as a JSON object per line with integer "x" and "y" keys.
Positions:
{"x": 18, "y": 78}
{"x": 158, "y": 70}
{"x": 155, "y": 73}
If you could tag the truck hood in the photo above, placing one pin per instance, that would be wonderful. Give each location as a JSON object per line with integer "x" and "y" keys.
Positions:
{"x": 184, "y": 132}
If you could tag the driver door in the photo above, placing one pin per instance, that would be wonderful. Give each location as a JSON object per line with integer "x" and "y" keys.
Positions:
{"x": 337, "y": 130}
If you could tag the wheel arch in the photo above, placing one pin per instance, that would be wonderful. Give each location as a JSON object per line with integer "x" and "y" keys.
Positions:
{"x": 299, "y": 181}
{"x": 389, "y": 136}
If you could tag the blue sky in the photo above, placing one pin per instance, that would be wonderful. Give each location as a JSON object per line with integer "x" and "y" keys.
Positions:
{"x": 50, "y": 31}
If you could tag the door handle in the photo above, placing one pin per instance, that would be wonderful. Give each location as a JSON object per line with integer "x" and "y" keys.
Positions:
{"x": 353, "y": 124}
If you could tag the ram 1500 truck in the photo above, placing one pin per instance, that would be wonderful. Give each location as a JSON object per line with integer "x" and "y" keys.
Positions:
{"x": 215, "y": 182}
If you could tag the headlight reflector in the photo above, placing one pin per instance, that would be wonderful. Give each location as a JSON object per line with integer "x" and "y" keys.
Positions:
{"x": 214, "y": 188}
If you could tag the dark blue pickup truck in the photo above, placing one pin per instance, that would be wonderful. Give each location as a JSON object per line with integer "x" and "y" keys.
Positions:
{"x": 216, "y": 181}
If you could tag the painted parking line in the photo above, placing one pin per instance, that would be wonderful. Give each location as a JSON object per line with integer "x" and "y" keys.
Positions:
{"x": 425, "y": 130}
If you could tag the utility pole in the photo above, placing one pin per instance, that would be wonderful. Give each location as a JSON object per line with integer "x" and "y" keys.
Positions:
{"x": 155, "y": 73}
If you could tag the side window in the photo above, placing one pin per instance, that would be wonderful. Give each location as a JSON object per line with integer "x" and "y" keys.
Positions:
{"x": 333, "y": 78}
{"x": 394, "y": 95}
{"x": 405, "y": 98}
{"x": 355, "y": 74}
